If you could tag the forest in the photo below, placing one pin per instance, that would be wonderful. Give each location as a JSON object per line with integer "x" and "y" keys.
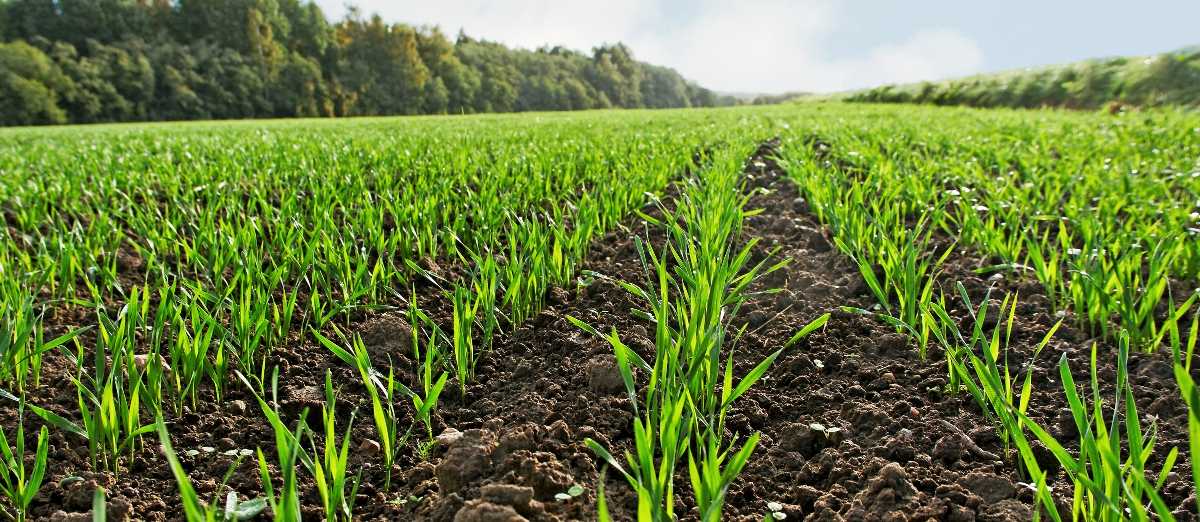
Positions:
{"x": 95, "y": 61}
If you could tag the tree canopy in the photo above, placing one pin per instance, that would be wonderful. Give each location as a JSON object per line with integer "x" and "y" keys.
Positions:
{"x": 87, "y": 61}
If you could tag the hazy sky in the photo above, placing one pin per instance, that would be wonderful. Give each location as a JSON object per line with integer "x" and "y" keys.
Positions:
{"x": 817, "y": 45}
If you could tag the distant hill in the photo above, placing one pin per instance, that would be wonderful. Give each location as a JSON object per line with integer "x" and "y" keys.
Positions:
{"x": 1164, "y": 79}
{"x": 85, "y": 61}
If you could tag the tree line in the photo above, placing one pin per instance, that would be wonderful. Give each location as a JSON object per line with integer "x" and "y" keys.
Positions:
{"x": 92, "y": 61}
{"x": 1165, "y": 79}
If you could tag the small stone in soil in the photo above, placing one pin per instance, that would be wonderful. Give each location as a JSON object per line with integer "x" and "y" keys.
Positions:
{"x": 368, "y": 448}
{"x": 140, "y": 362}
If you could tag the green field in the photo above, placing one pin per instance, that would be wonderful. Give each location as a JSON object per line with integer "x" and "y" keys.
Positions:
{"x": 220, "y": 248}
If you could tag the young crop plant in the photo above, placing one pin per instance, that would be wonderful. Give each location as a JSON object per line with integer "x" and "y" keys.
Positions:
{"x": 21, "y": 341}
{"x": 1191, "y": 397}
{"x": 1109, "y": 475}
{"x": 988, "y": 378}
{"x": 1181, "y": 352}
{"x": 284, "y": 502}
{"x": 111, "y": 398}
{"x": 20, "y": 484}
{"x": 250, "y": 328}
{"x": 331, "y": 468}
{"x": 993, "y": 387}
{"x": 283, "y": 313}
{"x": 158, "y": 333}
{"x": 382, "y": 390}
{"x": 434, "y": 359}
{"x": 464, "y": 310}
{"x": 1113, "y": 283}
{"x": 894, "y": 258}
{"x": 1045, "y": 260}
{"x": 194, "y": 509}
{"x": 1105, "y": 487}
{"x": 525, "y": 277}
{"x": 486, "y": 281}
{"x": 189, "y": 351}
{"x": 473, "y": 302}
{"x": 906, "y": 268}
{"x": 691, "y": 388}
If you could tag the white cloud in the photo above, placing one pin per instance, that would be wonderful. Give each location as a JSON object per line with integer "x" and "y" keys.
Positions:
{"x": 927, "y": 55}
{"x": 749, "y": 45}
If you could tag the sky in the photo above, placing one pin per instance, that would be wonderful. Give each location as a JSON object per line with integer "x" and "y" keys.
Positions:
{"x": 773, "y": 46}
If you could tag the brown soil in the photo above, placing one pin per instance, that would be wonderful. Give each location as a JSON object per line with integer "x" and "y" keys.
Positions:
{"x": 547, "y": 385}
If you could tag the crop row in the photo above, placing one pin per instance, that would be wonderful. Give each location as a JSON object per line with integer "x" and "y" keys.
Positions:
{"x": 1103, "y": 211}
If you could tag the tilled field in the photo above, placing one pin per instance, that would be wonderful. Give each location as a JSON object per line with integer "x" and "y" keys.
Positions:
{"x": 904, "y": 449}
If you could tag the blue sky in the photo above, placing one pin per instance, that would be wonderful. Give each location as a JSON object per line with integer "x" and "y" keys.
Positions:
{"x": 818, "y": 45}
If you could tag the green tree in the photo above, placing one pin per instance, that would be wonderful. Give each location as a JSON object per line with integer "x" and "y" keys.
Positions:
{"x": 105, "y": 21}
{"x": 300, "y": 91}
{"x": 454, "y": 85}
{"x": 25, "y": 19}
{"x": 110, "y": 83}
{"x": 31, "y": 86}
{"x": 615, "y": 73}
{"x": 382, "y": 66}
{"x": 664, "y": 88}
{"x": 249, "y": 27}
{"x": 310, "y": 34}
{"x": 76, "y": 21}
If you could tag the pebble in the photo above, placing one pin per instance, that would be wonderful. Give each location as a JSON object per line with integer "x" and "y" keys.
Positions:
{"x": 800, "y": 205}
{"x": 140, "y": 362}
{"x": 368, "y": 448}
{"x": 235, "y": 407}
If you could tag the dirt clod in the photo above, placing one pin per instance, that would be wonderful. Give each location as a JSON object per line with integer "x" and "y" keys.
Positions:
{"x": 469, "y": 459}
{"x": 385, "y": 336}
{"x": 888, "y": 497}
{"x": 449, "y": 436}
{"x": 1006, "y": 511}
{"x": 604, "y": 376}
{"x": 949, "y": 449}
{"x": 480, "y": 511}
{"x": 990, "y": 487}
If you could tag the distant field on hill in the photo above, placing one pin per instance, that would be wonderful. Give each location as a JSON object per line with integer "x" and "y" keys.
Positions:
{"x": 1146, "y": 81}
